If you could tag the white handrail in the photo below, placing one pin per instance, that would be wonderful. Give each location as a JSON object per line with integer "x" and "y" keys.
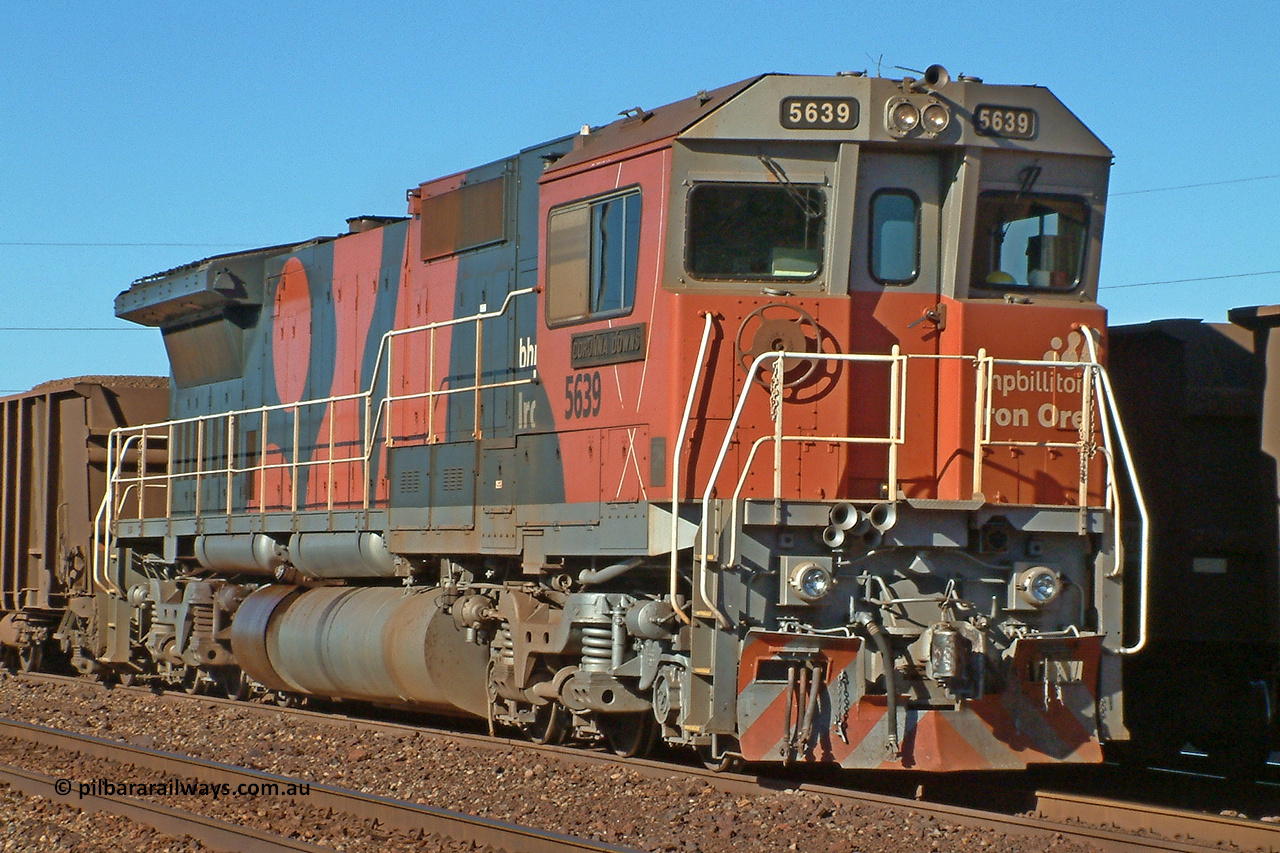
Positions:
{"x": 1144, "y": 554}
{"x": 368, "y": 442}
{"x": 102, "y": 519}
{"x": 984, "y": 367}
{"x": 709, "y": 321}
{"x": 390, "y": 335}
{"x": 756, "y": 364}
{"x": 123, "y": 437}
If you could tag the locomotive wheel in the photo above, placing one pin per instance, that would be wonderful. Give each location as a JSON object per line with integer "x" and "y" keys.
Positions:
{"x": 30, "y": 658}
{"x": 778, "y": 334}
{"x": 288, "y": 700}
{"x": 630, "y": 735}
{"x": 128, "y": 678}
{"x": 551, "y": 724}
{"x": 232, "y": 683}
{"x": 193, "y": 684}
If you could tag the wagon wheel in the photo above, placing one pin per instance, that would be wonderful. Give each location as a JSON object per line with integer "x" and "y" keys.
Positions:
{"x": 779, "y": 334}
{"x": 630, "y": 735}
{"x": 31, "y": 657}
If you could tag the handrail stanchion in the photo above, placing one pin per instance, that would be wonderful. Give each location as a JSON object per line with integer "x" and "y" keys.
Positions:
{"x": 981, "y": 405}
{"x": 333, "y": 416}
{"x": 1085, "y": 433}
{"x": 168, "y": 476}
{"x": 390, "y": 396}
{"x": 293, "y": 462}
{"x": 477, "y": 430}
{"x": 199, "y": 462}
{"x": 142, "y": 471}
{"x": 430, "y": 408}
{"x": 895, "y": 389}
{"x": 231, "y": 451}
{"x": 262, "y": 466}
{"x": 775, "y": 412}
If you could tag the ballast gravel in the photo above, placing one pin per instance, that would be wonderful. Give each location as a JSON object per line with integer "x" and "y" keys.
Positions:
{"x": 617, "y": 805}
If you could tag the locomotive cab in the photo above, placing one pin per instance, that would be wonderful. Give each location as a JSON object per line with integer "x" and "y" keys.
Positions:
{"x": 881, "y": 332}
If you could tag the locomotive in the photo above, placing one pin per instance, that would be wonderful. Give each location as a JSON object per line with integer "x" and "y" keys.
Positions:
{"x": 772, "y": 423}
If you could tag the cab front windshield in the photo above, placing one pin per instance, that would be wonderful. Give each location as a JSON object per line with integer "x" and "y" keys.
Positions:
{"x": 1029, "y": 242}
{"x": 759, "y": 232}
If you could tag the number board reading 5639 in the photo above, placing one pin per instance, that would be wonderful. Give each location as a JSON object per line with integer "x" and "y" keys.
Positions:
{"x": 801, "y": 113}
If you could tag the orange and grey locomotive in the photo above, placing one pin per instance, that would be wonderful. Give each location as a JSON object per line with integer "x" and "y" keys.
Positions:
{"x": 772, "y": 423}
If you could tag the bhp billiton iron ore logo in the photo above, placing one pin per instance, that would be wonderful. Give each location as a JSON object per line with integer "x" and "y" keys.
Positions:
{"x": 1054, "y": 392}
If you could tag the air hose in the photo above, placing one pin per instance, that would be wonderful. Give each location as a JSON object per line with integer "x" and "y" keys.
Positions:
{"x": 877, "y": 636}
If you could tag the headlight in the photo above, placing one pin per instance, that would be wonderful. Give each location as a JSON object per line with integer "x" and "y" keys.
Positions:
{"x": 1039, "y": 586}
{"x": 935, "y": 118}
{"x": 811, "y": 581}
{"x": 901, "y": 116}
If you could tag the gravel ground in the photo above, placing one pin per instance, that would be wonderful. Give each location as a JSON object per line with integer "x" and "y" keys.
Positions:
{"x": 621, "y": 806}
{"x": 36, "y": 824}
{"x": 291, "y": 817}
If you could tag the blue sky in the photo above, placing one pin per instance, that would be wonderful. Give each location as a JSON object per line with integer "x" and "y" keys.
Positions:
{"x": 135, "y": 137}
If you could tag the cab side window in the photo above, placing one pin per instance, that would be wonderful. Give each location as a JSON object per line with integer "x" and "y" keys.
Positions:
{"x": 593, "y": 248}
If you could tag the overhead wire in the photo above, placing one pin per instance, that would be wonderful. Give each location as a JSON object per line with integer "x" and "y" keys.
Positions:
{"x": 238, "y": 245}
{"x": 1194, "y": 186}
{"x": 1187, "y": 280}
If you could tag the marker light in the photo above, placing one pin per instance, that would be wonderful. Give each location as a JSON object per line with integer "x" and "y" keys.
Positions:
{"x": 935, "y": 118}
{"x": 1039, "y": 586}
{"x": 811, "y": 581}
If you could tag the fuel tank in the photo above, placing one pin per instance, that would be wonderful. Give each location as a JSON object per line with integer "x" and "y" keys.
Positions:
{"x": 379, "y": 644}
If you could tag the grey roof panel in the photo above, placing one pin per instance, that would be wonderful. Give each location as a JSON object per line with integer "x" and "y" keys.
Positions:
{"x": 648, "y": 126}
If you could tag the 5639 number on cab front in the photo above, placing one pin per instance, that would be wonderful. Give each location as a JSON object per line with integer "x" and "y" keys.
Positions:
{"x": 1006, "y": 122}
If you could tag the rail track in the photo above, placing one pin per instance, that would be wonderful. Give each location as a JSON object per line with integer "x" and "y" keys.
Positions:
{"x": 1103, "y": 823}
{"x": 381, "y": 811}
{"x": 218, "y": 834}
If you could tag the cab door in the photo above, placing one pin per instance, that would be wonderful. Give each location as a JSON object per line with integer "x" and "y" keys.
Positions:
{"x": 896, "y": 299}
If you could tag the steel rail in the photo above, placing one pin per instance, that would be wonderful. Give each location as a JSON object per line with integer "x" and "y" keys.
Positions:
{"x": 391, "y": 813}
{"x": 218, "y": 834}
{"x": 1122, "y": 817}
{"x": 1198, "y": 828}
{"x": 1037, "y": 826}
